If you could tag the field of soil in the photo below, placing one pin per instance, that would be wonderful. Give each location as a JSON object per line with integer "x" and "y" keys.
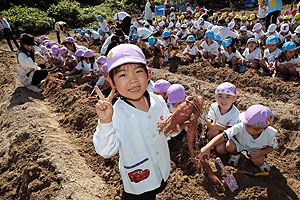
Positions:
{"x": 46, "y": 147}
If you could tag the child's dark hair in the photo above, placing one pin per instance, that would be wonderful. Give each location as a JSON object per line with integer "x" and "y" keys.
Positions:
{"x": 113, "y": 72}
{"x": 92, "y": 61}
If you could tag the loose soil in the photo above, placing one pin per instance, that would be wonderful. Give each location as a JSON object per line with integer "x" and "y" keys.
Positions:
{"x": 47, "y": 151}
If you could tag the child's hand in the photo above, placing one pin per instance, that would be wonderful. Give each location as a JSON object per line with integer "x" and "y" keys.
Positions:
{"x": 255, "y": 153}
{"x": 104, "y": 107}
{"x": 205, "y": 151}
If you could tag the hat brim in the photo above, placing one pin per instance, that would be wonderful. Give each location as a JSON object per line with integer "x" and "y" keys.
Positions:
{"x": 126, "y": 60}
{"x": 242, "y": 117}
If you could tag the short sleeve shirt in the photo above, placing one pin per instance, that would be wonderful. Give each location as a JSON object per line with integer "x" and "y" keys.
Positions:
{"x": 266, "y": 138}
{"x": 256, "y": 54}
{"x": 228, "y": 119}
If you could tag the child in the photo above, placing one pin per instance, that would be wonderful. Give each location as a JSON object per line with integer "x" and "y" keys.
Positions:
{"x": 254, "y": 135}
{"x": 259, "y": 34}
{"x": 210, "y": 47}
{"x": 130, "y": 126}
{"x": 230, "y": 55}
{"x": 95, "y": 38}
{"x": 103, "y": 24}
{"x": 171, "y": 44}
{"x": 176, "y": 95}
{"x": 288, "y": 63}
{"x": 191, "y": 51}
{"x": 183, "y": 33}
{"x": 244, "y": 35}
{"x": 252, "y": 55}
{"x": 222, "y": 114}
{"x": 69, "y": 62}
{"x": 161, "y": 87}
{"x": 296, "y": 36}
{"x": 55, "y": 57}
{"x": 271, "y": 55}
{"x": 285, "y": 34}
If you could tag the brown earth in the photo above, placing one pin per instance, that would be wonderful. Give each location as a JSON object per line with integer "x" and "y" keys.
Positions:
{"x": 47, "y": 152}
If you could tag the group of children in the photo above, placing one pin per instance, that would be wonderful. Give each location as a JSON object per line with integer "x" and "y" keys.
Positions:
{"x": 129, "y": 127}
{"x": 242, "y": 42}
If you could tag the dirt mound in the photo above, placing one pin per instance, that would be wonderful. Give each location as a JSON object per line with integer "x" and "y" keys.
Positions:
{"x": 47, "y": 150}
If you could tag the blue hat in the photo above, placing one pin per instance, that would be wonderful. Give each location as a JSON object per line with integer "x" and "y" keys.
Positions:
{"x": 82, "y": 32}
{"x": 166, "y": 34}
{"x": 75, "y": 30}
{"x": 210, "y": 34}
{"x": 272, "y": 39}
{"x": 95, "y": 26}
{"x": 132, "y": 27}
{"x": 87, "y": 30}
{"x": 99, "y": 17}
{"x": 151, "y": 40}
{"x": 226, "y": 42}
{"x": 78, "y": 30}
{"x": 134, "y": 36}
{"x": 288, "y": 46}
{"x": 190, "y": 38}
{"x": 217, "y": 37}
{"x": 100, "y": 31}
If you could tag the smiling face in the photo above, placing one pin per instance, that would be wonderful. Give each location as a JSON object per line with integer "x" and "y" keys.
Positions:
{"x": 225, "y": 101}
{"x": 131, "y": 81}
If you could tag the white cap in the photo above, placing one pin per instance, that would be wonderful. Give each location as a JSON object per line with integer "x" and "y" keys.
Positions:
{"x": 183, "y": 26}
{"x": 257, "y": 27}
{"x": 147, "y": 24}
{"x": 200, "y": 20}
{"x": 272, "y": 28}
{"x": 252, "y": 40}
{"x": 161, "y": 24}
{"x": 154, "y": 23}
{"x": 297, "y": 29}
{"x": 171, "y": 24}
{"x": 243, "y": 28}
{"x": 284, "y": 27}
{"x": 231, "y": 25}
{"x": 177, "y": 25}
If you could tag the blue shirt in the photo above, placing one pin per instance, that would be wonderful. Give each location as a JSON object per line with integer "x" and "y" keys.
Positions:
{"x": 274, "y": 5}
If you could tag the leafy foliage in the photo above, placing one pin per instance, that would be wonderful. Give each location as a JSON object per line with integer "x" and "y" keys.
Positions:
{"x": 30, "y": 20}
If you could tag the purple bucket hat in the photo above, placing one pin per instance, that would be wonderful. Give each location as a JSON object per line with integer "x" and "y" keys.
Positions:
{"x": 123, "y": 54}
{"x": 226, "y": 88}
{"x": 38, "y": 40}
{"x": 101, "y": 59}
{"x": 105, "y": 67}
{"x": 258, "y": 116}
{"x": 52, "y": 44}
{"x": 54, "y": 49}
{"x": 88, "y": 54}
{"x": 176, "y": 93}
{"x": 79, "y": 53}
{"x": 46, "y": 42}
{"x": 161, "y": 86}
{"x": 68, "y": 39}
{"x": 63, "y": 51}
{"x": 43, "y": 37}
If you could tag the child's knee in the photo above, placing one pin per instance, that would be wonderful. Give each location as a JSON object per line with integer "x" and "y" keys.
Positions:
{"x": 292, "y": 71}
{"x": 221, "y": 148}
{"x": 231, "y": 146}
